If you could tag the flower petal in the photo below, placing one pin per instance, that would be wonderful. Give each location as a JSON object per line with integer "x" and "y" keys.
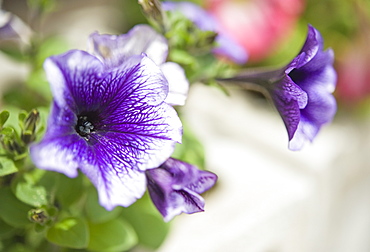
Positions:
{"x": 310, "y": 49}
{"x": 320, "y": 110}
{"x": 69, "y": 76}
{"x": 189, "y": 176}
{"x": 61, "y": 149}
{"x": 143, "y": 141}
{"x": 318, "y": 72}
{"x": 115, "y": 49}
{"x": 168, "y": 201}
{"x": 175, "y": 186}
{"x": 116, "y": 185}
{"x": 289, "y": 99}
{"x": 138, "y": 125}
{"x": 229, "y": 48}
{"x": 178, "y": 83}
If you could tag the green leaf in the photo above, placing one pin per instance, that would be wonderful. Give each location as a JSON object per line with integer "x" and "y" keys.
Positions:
{"x": 68, "y": 189}
{"x": 42, "y": 5}
{"x": 31, "y": 194}
{"x": 50, "y": 46}
{"x": 147, "y": 222}
{"x": 13, "y": 211}
{"x": 37, "y": 82}
{"x": 8, "y": 132}
{"x": 7, "y": 166}
{"x": 95, "y": 212}
{"x": 5, "y": 230}
{"x": 70, "y": 232}
{"x": 182, "y": 57}
{"x": 111, "y": 236}
{"x": 21, "y": 117}
{"x": 191, "y": 150}
{"x": 4, "y": 115}
{"x": 150, "y": 228}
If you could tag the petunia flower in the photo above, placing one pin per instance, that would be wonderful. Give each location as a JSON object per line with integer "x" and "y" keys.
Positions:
{"x": 301, "y": 91}
{"x": 115, "y": 49}
{"x": 175, "y": 186}
{"x": 110, "y": 123}
{"x": 226, "y": 46}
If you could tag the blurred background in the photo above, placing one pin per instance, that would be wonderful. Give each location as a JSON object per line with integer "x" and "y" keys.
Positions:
{"x": 267, "y": 199}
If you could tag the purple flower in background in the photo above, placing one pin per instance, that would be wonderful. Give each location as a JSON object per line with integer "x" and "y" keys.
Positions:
{"x": 115, "y": 49}
{"x": 13, "y": 28}
{"x": 302, "y": 90}
{"x": 175, "y": 186}
{"x": 304, "y": 96}
{"x": 112, "y": 123}
{"x": 226, "y": 46}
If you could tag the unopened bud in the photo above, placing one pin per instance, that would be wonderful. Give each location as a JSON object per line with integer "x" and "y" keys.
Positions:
{"x": 153, "y": 11}
{"x": 39, "y": 216}
{"x": 30, "y": 123}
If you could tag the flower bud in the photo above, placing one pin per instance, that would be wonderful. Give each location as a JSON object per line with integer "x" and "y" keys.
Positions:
{"x": 28, "y": 132}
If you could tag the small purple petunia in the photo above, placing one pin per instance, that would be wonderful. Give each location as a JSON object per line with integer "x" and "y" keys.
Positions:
{"x": 175, "y": 186}
{"x": 226, "y": 46}
{"x": 115, "y": 49}
{"x": 112, "y": 123}
{"x": 302, "y": 90}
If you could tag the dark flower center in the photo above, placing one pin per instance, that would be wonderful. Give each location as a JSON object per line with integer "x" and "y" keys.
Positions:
{"x": 84, "y": 126}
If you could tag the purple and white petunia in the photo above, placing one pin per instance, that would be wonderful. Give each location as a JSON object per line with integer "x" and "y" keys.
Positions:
{"x": 112, "y": 123}
{"x": 302, "y": 90}
{"x": 175, "y": 186}
{"x": 226, "y": 46}
{"x": 115, "y": 49}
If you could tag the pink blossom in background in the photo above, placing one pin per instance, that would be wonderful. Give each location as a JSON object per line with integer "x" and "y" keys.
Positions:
{"x": 257, "y": 25}
{"x": 354, "y": 73}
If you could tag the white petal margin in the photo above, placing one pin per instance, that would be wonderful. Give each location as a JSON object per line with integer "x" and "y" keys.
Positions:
{"x": 178, "y": 83}
{"x": 116, "y": 188}
{"x": 54, "y": 156}
{"x": 113, "y": 49}
{"x": 55, "y": 77}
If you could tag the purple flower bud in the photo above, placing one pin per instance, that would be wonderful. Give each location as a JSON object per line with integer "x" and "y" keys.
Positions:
{"x": 175, "y": 186}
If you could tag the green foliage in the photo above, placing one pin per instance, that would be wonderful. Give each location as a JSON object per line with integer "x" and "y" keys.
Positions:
{"x": 42, "y": 5}
{"x": 7, "y": 166}
{"x": 147, "y": 222}
{"x": 5, "y": 230}
{"x": 191, "y": 149}
{"x": 28, "y": 192}
{"x": 111, "y": 236}
{"x": 95, "y": 212}
{"x": 70, "y": 232}
{"x": 16, "y": 135}
{"x": 192, "y": 47}
{"x": 12, "y": 211}
{"x": 4, "y": 115}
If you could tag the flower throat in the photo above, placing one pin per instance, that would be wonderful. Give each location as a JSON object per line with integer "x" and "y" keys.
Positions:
{"x": 84, "y": 126}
